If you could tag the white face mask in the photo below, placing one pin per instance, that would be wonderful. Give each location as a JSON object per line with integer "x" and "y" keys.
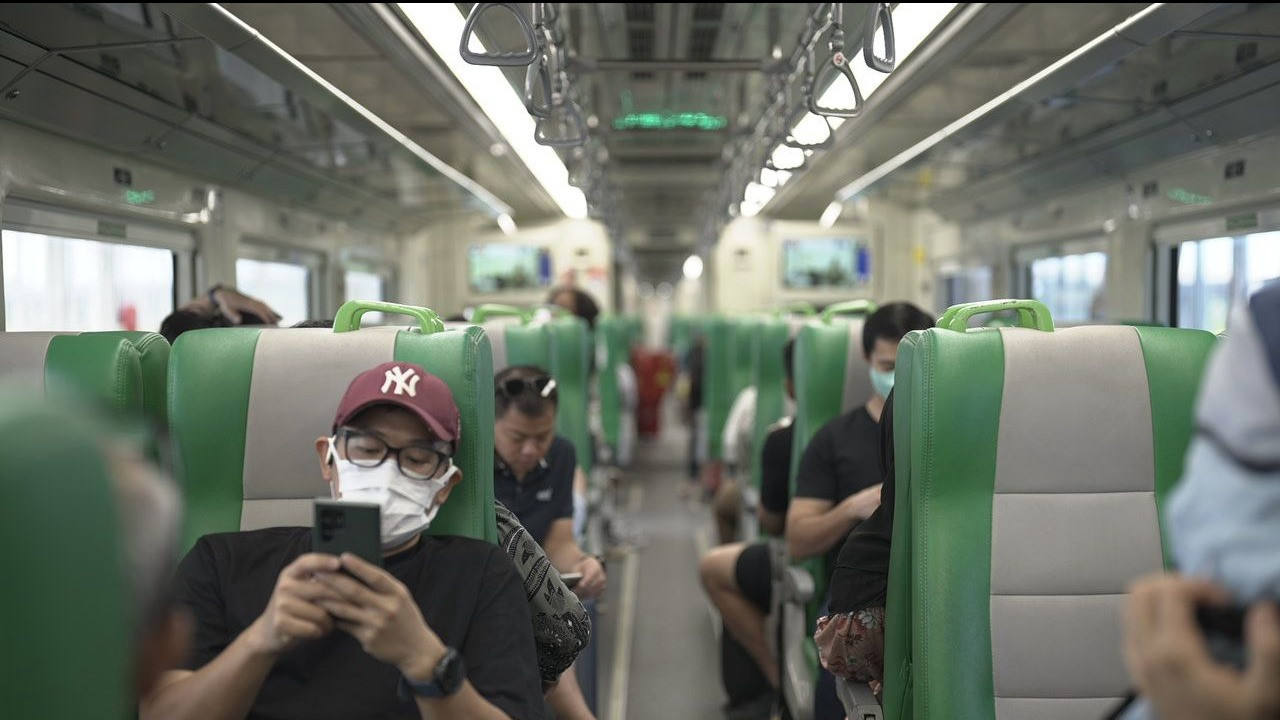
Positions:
{"x": 408, "y": 506}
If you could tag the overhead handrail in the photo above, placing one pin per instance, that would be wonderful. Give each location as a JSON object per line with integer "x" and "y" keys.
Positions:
{"x": 570, "y": 120}
{"x": 837, "y": 64}
{"x": 498, "y": 58}
{"x": 879, "y": 16}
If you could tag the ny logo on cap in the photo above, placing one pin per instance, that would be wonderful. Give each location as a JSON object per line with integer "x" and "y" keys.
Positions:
{"x": 406, "y": 381}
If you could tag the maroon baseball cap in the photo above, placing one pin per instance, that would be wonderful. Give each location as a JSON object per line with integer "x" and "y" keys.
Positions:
{"x": 408, "y": 386}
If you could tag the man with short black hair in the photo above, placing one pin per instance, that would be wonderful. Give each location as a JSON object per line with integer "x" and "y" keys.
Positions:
{"x": 534, "y": 471}
{"x": 441, "y": 631}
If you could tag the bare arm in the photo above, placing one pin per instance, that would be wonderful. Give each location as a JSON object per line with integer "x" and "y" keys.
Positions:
{"x": 815, "y": 526}
{"x": 566, "y": 556}
{"x": 771, "y": 522}
{"x": 224, "y": 689}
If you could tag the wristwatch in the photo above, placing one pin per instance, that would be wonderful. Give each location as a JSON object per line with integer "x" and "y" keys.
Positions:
{"x": 446, "y": 679}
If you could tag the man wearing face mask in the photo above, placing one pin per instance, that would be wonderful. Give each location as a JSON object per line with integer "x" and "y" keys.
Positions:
{"x": 838, "y": 480}
{"x": 441, "y": 630}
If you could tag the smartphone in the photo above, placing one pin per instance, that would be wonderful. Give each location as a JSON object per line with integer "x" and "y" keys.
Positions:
{"x": 1224, "y": 632}
{"x": 571, "y": 580}
{"x": 347, "y": 526}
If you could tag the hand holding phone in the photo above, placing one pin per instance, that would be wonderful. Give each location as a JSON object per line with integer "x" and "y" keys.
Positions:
{"x": 347, "y": 526}
{"x": 571, "y": 580}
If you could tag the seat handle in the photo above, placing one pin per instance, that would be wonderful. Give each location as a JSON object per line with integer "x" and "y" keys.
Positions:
{"x": 1031, "y": 314}
{"x": 849, "y": 307}
{"x": 492, "y": 310}
{"x": 501, "y": 59}
{"x": 348, "y": 317}
{"x": 799, "y": 307}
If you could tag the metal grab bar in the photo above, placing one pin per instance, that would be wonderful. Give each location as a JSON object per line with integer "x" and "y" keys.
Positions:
{"x": 879, "y": 15}
{"x": 498, "y": 58}
{"x": 837, "y": 64}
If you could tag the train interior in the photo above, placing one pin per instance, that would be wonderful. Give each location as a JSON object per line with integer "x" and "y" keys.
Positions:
{"x": 1079, "y": 195}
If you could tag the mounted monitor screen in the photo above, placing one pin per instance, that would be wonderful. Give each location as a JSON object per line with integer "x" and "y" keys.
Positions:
{"x": 825, "y": 263}
{"x": 500, "y": 267}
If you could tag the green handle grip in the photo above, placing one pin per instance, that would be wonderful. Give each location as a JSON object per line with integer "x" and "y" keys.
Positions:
{"x": 492, "y": 310}
{"x": 1031, "y": 314}
{"x": 849, "y": 307}
{"x": 348, "y": 317}
{"x": 797, "y": 308}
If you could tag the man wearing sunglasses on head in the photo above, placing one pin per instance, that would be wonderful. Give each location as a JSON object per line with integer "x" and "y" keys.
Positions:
{"x": 534, "y": 474}
{"x": 442, "y": 630}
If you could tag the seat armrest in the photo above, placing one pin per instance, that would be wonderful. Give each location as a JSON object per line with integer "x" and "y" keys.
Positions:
{"x": 858, "y": 700}
{"x": 797, "y": 586}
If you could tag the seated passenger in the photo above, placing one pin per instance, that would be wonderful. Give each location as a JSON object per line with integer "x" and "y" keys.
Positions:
{"x": 576, "y": 301}
{"x": 1223, "y": 523}
{"x": 220, "y": 307}
{"x": 534, "y": 471}
{"x": 443, "y": 630}
{"x": 736, "y": 450}
{"x": 838, "y": 481}
{"x": 738, "y": 578}
{"x": 850, "y": 638}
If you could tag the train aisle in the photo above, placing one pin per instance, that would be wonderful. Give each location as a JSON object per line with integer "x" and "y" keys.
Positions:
{"x": 663, "y": 647}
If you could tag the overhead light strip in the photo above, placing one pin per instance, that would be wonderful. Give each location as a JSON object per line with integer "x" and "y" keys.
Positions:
{"x": 440, "y": 24}
{"x": 1129, "y": 36}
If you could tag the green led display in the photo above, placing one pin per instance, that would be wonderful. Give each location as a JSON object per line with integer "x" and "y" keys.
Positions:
{"x": 139, "y": 197}
{"x": 1186, "y": 197}
{"x": 670, "y": 121}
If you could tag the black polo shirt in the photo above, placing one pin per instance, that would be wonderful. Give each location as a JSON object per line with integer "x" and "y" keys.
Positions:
{"x": 546, "y": 495}
{"x": 842, "y": 458}
{"x": 469, "y": 592}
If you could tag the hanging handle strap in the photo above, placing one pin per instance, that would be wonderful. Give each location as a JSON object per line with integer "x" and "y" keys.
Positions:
{"x": 499, "y": 58}
{"x": 879, "y": 16}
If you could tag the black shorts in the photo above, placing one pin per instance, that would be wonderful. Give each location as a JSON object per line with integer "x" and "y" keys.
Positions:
{"x": 755, "y": 575}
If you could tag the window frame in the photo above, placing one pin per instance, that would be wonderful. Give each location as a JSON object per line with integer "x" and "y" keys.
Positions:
{"x": 30, "y": 216}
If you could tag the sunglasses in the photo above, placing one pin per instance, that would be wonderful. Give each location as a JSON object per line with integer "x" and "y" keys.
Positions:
{"x": 542, "y": 386}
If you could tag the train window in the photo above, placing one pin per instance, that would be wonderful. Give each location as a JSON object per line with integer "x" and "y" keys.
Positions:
{"x": 365, "y": 285}
{"x": 1071, "y": 286}
{"x": 1215, "y": 273}
{"x": 963, "y": 285}
{"x": 285, "y": 286}
{"x": 68, "y": 283}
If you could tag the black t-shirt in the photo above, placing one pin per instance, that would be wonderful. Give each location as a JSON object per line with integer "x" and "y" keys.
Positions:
{"x": 546, "y": 495}
{"x": 842, "y": 458}
{"x": 861, "y": 576}
{"x": 469, "y": 592}
{"x": 775, "y": 469}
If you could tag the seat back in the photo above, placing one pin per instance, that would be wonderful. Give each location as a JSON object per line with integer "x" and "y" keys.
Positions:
{"x": 727, "y": 371}
{"x": 1031, "y": 466}
{"x": 104, "y": 366}
{"x": 613, "y": 349}
{"x": 570, "y": 363}
{"x": 246, "y": 405}
{"x": 153, "y": 356}
{"x": 66, "y": 611}
{"x": 768, "y": 375}
{"x": 514, "y": 337}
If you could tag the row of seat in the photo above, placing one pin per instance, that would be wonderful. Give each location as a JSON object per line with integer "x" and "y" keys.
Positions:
{"x": 1031, "y": 466}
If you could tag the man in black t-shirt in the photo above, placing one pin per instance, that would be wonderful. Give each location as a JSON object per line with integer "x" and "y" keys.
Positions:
{"x": 738, "y": 577}
{"x": 442, "y": 630}
{"x": 534, "y": 477}
{"x": 838, "y": 481}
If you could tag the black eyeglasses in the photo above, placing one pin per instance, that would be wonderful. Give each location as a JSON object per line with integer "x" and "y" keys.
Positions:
{"x": 543, "y": 385}
{"x": 416, "y": 462}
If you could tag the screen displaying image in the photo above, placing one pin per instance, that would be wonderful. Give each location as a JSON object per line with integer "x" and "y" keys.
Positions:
{"x": 825, "y": 262}
{"x": 498, "y": 267}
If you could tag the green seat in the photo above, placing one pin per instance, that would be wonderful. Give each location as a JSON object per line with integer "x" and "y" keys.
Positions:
{"x": 105, "y": 366}
{"x": 514, "y": 337}
{"x": 831, "y": 377}
{"x": 1031, "y": 465}
{"x": 153, "y": 354}
{"x": 613, "y": 350}
{"x": 66, "y": 611}
{"x": 727, "y": 369}
{"x": 246, "y": 405}
{"x": 570, "y": 364}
